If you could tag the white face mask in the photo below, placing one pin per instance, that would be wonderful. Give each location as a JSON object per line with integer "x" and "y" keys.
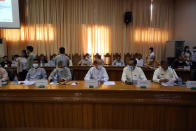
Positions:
{"x": 131, "y": 67}
{"x": 59, "y": 69}
{"x": 35, "y": 65}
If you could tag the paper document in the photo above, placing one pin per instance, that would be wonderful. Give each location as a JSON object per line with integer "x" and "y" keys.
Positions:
{"x": 169, "y": 83}
{"x": 109, "y": 83}
{"x": 27, "y": 82}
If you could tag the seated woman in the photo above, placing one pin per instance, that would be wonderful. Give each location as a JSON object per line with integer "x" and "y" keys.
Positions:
{"x": 3, "y": 74}
{"x": 132, "y": 73}
{"x": 118, "y": 61}
{"x": 36, "y": 73}
{"x": 97, "y": 72}
{"x": 60, "y": 74}
{"x": 86, "y": 61}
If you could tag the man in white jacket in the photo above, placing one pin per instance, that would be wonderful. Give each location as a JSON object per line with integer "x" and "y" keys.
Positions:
{"x": 132, "y": 73}
{"x": 164, "y": 73}
{"x": 97, "y": 72}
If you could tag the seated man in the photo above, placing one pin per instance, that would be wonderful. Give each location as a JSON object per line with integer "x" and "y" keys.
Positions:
{"x": 61, "y": 73}
{"x": 43, "y": 60}
{"x": 140, "y": 61}
{"x": 86, "y": 61}
{"x": 97, "y": 72}
{"x": 179, "y": 63}
{"x": 98, "y": 57}
{"x": 36, "y": 73}
{"x": 164, "y": 73}
{"x": 118, "y": 61}
{"x": 3, "y": 74}
{"x": 51, "y": 63}
{"x": 132, "y": 73}
{"x": 6, "y": 62}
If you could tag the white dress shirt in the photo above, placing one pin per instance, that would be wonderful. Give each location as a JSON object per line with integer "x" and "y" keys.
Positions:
{"x": 36, "y": 74}
{"x": 140, "y": 62}
{"x": 130, "y": 75}
{"x": 150, "y": 57}
{"x": 64, "y": 74}
{"x": 118, "y": 63}
{"x": 160, "y": 74}
{"x": 94, "y": 73}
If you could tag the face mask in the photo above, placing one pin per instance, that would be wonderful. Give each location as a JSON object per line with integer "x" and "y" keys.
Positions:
{"x": 100, "y": 67}
{"x": 35, "y": 65}
{"x": 131, "y": 67}
{"x": 59, "y": 69}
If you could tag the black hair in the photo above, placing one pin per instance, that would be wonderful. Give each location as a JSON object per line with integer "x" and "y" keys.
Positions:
{"x": 24, "y": 53}
{"x": 164, "y": 62}
{"x": 37, "y": 60}
{"x": 118, "y": 56}
{"x": 5, "y": 56}
{"x": 185, "y": 48}
{"x": 30, "y": 48}
{"x": 16, "y": 56}
{"x": 62, "y": 50}
{"x": 151, "y": 48}
{"x": 95, "y": 62}
{"x": 133, "y": 59}
{"x": 60, "y": 63}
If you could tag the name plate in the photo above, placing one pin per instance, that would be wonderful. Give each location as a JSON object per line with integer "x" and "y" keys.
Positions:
{"x": 191, "y": 84}
{"x": 143, "y": 83}
{"x": 92, "y": 83}
{"x": 41, "y": 83}
{"x": 187, "y": 67}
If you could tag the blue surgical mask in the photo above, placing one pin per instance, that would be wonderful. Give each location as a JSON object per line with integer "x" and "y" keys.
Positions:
{"x": 99, "y": 67}
{"x": 131, "y": 67}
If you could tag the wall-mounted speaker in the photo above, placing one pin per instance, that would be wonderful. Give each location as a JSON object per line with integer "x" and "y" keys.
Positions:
{"x": 128, "y": 17}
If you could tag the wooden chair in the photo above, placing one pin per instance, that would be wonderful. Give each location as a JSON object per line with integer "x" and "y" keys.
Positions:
{"x": 107, "y": 59}
{"x": 76, "y": 58}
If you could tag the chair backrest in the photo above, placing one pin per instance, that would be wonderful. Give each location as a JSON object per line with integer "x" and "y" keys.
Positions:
{"x": 76, "y": 58}
{"x": 107, "y": 59}
{"x": 193, "y": 75}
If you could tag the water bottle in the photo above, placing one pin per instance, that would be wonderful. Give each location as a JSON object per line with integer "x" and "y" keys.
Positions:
{"x": 16, "y": 79}
{"x": 56, "y": 77}
{"x": 180, "y": 81}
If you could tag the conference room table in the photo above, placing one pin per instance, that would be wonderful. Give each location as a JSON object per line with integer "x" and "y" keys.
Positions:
{"x": 116, "y": 106}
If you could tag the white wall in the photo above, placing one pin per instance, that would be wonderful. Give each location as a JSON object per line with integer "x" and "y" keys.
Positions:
{"x": 185, "y": 21}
